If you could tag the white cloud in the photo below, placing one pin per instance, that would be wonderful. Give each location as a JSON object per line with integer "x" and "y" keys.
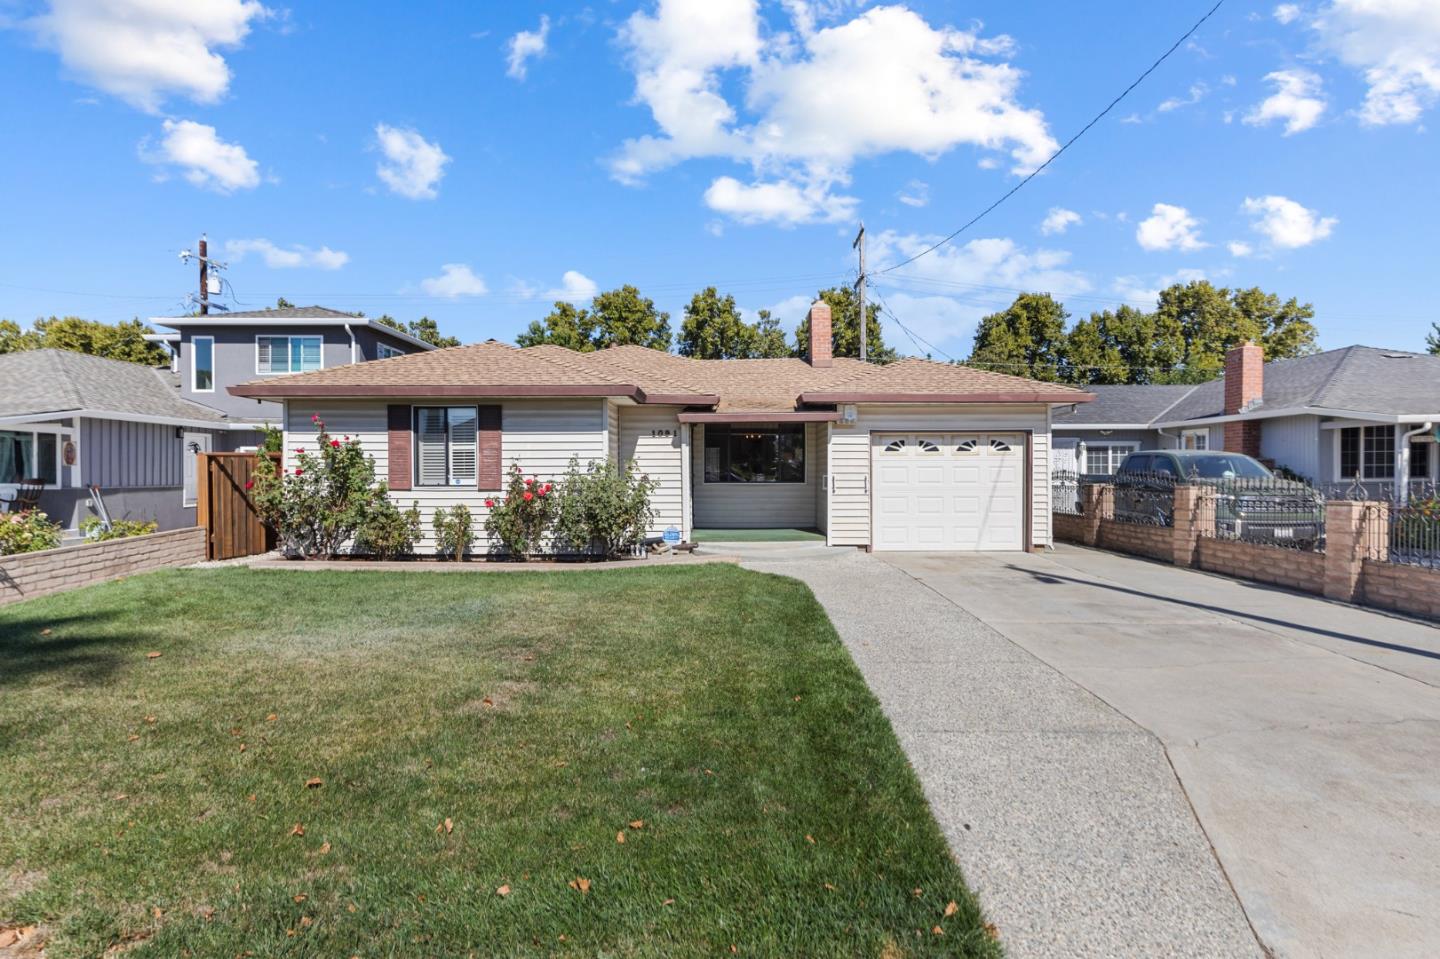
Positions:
{"x": 1143, "y": 292}
{"x": 1396, "y": 45}
{"x": 780, "y": 201}
{"x": 145, "y": 50}
{"x": 1297, "y": 100}
{"x": 455, "y": 280}
{"x": 1239, "y": 248}
{"x": 203, "y": 158}
{"x": 286, "y": 259}
{"x": 525, "y": 45}
{"x": 1285, "y": 223}
{"x": 916, "y": 193}
{"x": 1287, "y": 12}
{"x": 575, "y": 287}
{"x": 413, "y": 165}
{"x": 942, "y": 296}
{"x": 1197, "y": 93}
{"x": 1058, "y": 220}
{"x": 1169, "y": 228}
{"x": 816, "y": 99}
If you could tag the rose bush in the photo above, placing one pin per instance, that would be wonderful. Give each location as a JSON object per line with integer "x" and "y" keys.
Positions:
{"x": 388, "y": 532}
{"x": 603, "y": 510}
{"x": 27, "y": 532}
{"x": 454, "y": 532}
{"x": 521, "y": 516}
{"x": 326, "y": 500}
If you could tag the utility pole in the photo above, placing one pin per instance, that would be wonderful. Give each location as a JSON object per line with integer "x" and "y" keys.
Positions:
{"x": 204, "y": 259}
{"x": 859, "y": 244}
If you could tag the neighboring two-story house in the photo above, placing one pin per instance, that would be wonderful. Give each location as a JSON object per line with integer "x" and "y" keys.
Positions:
{"x": 73, "y": 421}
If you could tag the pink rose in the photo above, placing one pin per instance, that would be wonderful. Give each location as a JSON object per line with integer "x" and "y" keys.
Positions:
{"x": 299, "y": 472}
{"x": 529, "y": 496}
{"x": 249, "y": 484}
{"x": 489, "y": 504}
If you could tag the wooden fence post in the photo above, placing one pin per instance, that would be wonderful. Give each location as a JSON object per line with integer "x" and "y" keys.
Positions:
{"x": 202, "y": 499}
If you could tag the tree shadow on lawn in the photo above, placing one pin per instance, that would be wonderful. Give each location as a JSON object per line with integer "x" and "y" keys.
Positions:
{"x": 82, "y": 647}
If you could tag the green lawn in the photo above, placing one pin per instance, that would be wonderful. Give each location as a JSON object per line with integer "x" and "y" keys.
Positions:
{"x": 709, "y": 716}
{"x": 756, "y": 535}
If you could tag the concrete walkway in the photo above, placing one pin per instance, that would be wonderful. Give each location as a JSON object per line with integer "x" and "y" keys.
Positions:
{"x": 1065, "y": 815}
{"x": 1306, "y": 734}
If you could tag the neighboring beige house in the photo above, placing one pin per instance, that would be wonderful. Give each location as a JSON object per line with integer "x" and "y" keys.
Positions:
{"x": 912, "y": 455}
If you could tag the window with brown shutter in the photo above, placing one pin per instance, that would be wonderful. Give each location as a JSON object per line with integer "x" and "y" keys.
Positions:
{"x": 490, "y": 475}
{"x": 398, "y": 425}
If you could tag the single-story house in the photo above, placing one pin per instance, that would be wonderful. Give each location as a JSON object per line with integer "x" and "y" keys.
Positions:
{"x": 76, "y": 421}
{"x": 1353, "y": 415}
{"x": 911, "y": 455}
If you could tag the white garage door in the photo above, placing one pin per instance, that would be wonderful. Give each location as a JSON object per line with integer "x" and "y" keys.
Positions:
{"x": 960, "y": 491}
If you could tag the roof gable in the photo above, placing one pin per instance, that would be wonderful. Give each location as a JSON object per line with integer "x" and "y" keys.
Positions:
{"x": 58, "y": 382}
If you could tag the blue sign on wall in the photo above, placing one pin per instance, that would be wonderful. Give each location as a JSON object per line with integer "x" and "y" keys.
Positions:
{"x": 672, "y": 534}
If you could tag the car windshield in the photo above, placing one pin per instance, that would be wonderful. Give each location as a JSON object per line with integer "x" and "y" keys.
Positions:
{"x": 1223, "y": 467}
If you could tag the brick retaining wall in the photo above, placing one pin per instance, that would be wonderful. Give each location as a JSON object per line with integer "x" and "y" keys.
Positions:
{"x": 1156, "y": 542}
{"x": 1070, "y": 528}
{"x": 1292, "y": 568}
{"x": 1406, "y": 589}
{"x": 28, "y": 575}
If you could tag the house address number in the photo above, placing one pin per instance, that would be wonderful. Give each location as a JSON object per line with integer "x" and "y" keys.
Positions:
{"x": 664, "y": 433}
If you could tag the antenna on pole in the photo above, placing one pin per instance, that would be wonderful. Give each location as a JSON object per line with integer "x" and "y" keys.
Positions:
{"x": 859, "y": 244}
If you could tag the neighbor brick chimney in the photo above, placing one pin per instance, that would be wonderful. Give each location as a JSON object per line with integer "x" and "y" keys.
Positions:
{"x": 820, "y": 348}
{"x": 1244, "y": 387}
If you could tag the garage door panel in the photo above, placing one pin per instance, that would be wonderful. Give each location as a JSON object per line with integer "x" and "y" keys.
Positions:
{"x": 962, "y": 491}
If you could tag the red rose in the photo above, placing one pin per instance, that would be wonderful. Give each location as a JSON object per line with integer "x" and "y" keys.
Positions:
{"x": 314, "y": 417}
{"x": 299, "y": 449}
{"x": 249, "y": 484}
{"x": 546, "y": 488}
{"x": 489, "y": 504}
{"x": 529, "y": 496}
{"x": 530, "y": 481}
{"x": 299, "y": 472}
{"x": 335, "y": 443}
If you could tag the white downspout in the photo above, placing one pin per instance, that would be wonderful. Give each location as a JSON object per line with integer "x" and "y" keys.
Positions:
{"x": 353, "y": 349}
{"x": 1165, "y": 435}
{"x": 1402, "y": 469}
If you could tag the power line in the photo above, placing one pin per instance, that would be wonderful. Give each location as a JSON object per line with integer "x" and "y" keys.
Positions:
{"x": 908, "y": 332}
{"x": 1068, "y": 143}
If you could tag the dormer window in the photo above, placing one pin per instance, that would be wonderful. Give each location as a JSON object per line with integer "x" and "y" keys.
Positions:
{"x": 287, "y": 354}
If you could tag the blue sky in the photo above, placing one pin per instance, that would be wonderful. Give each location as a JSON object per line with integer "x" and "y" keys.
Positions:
{"x": 473, "y": 162}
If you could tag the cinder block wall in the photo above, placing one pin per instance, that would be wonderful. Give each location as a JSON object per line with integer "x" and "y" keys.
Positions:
{"x": 30, "y": 575}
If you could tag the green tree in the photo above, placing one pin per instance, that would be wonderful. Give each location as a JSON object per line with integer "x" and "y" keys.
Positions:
{"x": 845, "y": 328}
{"x": 1025, "y": 339}
{"x": 618, "y": 317}
{"x": 284, "y": 304}
{"x": 1213, "y": 319}
{"x": 770, "y": 340}
{"x": 1432, "y": 339}
{"x": 1127, "y": 345}
{"x": 422, "y": 329}
{"x": 713, "y": 328}
{"x": 118, "y": 341}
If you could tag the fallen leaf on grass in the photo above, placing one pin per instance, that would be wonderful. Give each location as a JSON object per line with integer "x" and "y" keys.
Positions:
{"x": 46, "y": 631}
{"x": 938, "y": 931}
{"x": 668, "y": 902}
{"x": 581, "y": 884}
{"x": 325, "y": 848}
{"x": 236, "y": 731}
{"x": 447, "y": 827}
{"x": 300, "y": 897}
{"x": 150, "y": 719}
{"x": 993, "y": 931}
{"x": 8, "y": 937}
{"x": 917, "y": 892}
{"x": 131, "y": 738}
{"x": 305, "y": 921}
{"x": 829, "y": 888}
{"x": 502, "y": 891}
{"x": 153, "y": 654}
{"x": 488, "y": 703}
{"x": 250, "y": 798}
{"x": 951, "y": 908}
{"x": 810, "y": 839}
{"x": 314, "y": 782}
{"x": 157, "y": 912}
{"x": 297, "y": 830}
{"x": 271, "y": 718}
{"x": 620, "y": 837}
{"x": 242, "y": 747}
{"x": 637, "y": 824}
{"x": 120, "y": 796}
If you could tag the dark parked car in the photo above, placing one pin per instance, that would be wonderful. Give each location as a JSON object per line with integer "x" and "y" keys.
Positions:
{"x": 1251, "y": 503}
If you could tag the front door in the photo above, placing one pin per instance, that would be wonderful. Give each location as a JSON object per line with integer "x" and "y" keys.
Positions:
{"x": 194, "y": 445}
{"x": 949, "y": 491}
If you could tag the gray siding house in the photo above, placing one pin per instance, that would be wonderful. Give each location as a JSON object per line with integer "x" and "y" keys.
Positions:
{"x": 75, "y": 422}
{"x": 1353, "y": 416}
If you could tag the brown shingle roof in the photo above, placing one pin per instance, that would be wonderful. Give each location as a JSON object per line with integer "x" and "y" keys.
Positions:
{"x": 773, "y": 385}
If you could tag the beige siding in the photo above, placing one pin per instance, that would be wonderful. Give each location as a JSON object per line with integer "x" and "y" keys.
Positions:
{"x": 651, "y": 437}
{"x": 822, "y": 469}
{"x": 612, "y": 431}
{"x": 540, "y": 435}
{"x": 850, "y": 459}
{"x": 757, "y": 505}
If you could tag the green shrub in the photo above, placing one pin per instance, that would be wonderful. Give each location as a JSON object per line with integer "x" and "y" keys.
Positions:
{"x": 603, "y": 510}
{"x": 454, "y": 532}
{"x": 273, "y": 439}
{"x": 520, "y": 519}
{"x": 387, "y": 532}
{"x": 320, "y": 505}
{"x": 93, "y": 528}
{"x": 27, "y": 532}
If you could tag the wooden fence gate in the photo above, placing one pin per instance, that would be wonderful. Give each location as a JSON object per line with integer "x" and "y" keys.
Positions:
{"x": 222, "y": 505}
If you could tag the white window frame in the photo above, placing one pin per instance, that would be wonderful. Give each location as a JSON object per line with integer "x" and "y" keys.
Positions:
{"x": 1083, "y": 457}
{"x": 1364, "y": 477}
{"x": 450, "y": 481}
{"x": 1200, "y": 434}
{"x": 384, "y": 351}
{"x": 194, "y": 369}
{"x": 287, "y": 338}
{"x": 59, "y": 432}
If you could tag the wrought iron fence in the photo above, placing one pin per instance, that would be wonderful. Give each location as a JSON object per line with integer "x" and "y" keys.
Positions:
{"x": 1411, "y": 527}
{"x": 1144, "y": 499}
{"x": 1270, "y": 511}
{"x": 1065, "y": 493}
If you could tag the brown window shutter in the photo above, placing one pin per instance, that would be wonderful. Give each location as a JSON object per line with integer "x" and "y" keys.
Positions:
{"x": 398, "y": 423}
{"x": 489, "y": 471}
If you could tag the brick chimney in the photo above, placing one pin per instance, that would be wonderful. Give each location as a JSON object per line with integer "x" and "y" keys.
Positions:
{"x": 1244, "y": 388}
{"x": 820, "y": 342}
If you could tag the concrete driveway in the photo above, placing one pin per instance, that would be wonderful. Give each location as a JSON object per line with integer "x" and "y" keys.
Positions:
{"x": 1305, "y": 734}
